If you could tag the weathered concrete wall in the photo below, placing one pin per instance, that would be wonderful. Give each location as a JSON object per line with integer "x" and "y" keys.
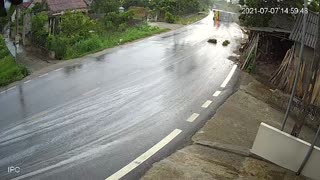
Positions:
{"x": 286, "y": 150}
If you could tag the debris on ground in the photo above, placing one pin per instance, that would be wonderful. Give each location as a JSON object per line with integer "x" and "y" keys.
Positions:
{"x": 213, "y": 41}
{"x": 226, "y": 43}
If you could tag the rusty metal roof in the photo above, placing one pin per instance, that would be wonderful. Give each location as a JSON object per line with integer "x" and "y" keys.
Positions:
{"x": 56, "y": 6}
{"x": 311, "y": 31}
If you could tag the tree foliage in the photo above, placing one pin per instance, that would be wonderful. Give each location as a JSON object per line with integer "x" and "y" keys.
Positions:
{"x": 114, "y": 20}
{"x": 77, "y": 24}
{"x": 38, "y": 7}
{"x": 106, "y": 6}
{"x": 39, "y": 31}
{"x": 241, "y": 2}
{"x": 175, "y": 7}
{"x": 315, "y": 6}
{"x": 169, "y": 17}
{"x": 128, "y": 3}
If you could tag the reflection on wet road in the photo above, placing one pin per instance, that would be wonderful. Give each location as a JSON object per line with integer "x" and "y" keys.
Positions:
{"x": 89, "y": 120}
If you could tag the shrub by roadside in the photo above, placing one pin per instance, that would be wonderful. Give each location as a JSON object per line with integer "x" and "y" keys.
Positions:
{"x": 169, "y": 18}
{"x": 68, "y": 48}
{"x": 81, "y": 35}
{"x": 9, "y": 70}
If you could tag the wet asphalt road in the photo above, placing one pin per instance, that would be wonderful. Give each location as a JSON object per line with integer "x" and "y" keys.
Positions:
{"x": 88, "y": 120}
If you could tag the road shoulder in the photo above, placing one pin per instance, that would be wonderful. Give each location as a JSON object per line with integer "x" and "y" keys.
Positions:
{"x": 221, "y": 149}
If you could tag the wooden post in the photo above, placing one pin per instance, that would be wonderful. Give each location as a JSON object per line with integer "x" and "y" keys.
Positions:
{"x": 53, "y": 25}
{"x": 49, "y": 25}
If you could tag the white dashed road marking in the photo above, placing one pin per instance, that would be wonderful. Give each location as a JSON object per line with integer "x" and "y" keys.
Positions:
{"x": 217, "y": 93}
{"x": 57, "y": 69}
{"x": 145, "y": 156}
{"x": 11, "y": 88}
{"x": 43, "y": 113}
{"x": 43, "y": 75}
{"x": 206, "y": 104}
{"x": 225, "y": 82}
{"x": 90, "y": 92}
{"x": 193, "y": 117}
{"x": 27, "y": 81}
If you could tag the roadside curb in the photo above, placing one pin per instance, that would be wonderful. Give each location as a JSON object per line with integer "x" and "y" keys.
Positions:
{"x": 242, "y": 151}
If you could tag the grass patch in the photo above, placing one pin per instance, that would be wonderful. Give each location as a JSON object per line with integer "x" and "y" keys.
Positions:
{"x": 9, "y": 70}
{"x": 108, "y": 40}
{"x": 190, "y": 19}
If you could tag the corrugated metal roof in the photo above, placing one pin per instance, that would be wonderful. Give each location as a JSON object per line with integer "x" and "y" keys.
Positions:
{"x": 56, "y": 6}
{"x": 268, "y": 29}
{"x": 311, "y": 31}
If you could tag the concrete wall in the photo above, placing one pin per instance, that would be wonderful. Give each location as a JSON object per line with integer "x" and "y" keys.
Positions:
{"x": 286, "y": 151}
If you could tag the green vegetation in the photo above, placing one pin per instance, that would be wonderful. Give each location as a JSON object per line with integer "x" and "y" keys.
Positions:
{"x": 39, "y": 31}
{"x": 139, "y": 13}
{"x": 103, "y": 6}
{"x": 241, "y": 2}
{"x": 81, "y": 35}
{"x": 119, "y": 21}
{"x": 9, "y": 70}
{"x": 190, "y": 19}
{"x": 77, "y": 34}
{"x": 67, "y": 48}
{"x": 314, "y": 6}
{"x": 5, "y": 20}
{"x": 225, "y": 43}
{"x": 178, "y": 10}
{"x": 169, "y": 18}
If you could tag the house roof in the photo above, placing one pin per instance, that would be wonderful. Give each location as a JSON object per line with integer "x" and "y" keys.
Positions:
{"x": 56, "y": 6}
{"x": 26, "y": 4}
{"x": 268, "y": 29}
{"x": 29, "y": 4}
{"x": 311, "y": 30}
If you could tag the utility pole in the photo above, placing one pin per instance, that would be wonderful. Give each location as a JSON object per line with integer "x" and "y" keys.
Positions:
{"x": 293, "y": 92}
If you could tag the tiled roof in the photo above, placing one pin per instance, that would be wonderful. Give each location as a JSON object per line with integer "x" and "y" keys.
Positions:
{"x": 56, "y": 6}
{"x": 311, "y": 30}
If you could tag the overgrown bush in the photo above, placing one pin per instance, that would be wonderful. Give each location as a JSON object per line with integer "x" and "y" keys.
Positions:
{"x": 81, "y": 35}
{"x": 169, "y": 18}
{"x": 114, "y": 20}
{"x": 39, "y": 32}
{"x": 3, "y": 52}
{"x": 89, "y": 45}
{"x": 9, "y": 70}
{"x": 123, "y": 27}
{"x": 59, "y": 45}
{"x": 107, "y": 40}
{"x": 77, "y": 24}
{"x": 38, "y": 7}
